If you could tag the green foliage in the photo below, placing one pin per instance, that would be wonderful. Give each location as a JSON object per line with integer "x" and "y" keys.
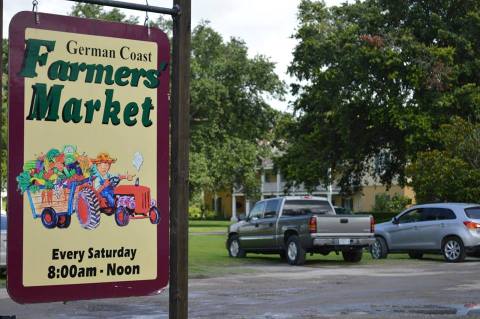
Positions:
{"x": 197, "y": 213}
{"x": 376, "y": 80}
{"x": 210, "y": 215}
{"x": 385, "y": 203}
{"x": 451, "y": 173}
{"x": 94, "y": 11}
{"x": 194, "y": 212}
{"x": 382, "y": 217}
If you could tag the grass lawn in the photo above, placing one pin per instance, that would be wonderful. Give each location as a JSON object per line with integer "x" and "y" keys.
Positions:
{"x": 208, "y": 257}
{"x": 207, "y": 226}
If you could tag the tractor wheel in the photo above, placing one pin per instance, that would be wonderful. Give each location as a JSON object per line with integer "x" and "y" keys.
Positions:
{"x": 63, "y": 221}
{"x": 49, "y": 218}
{"x": 154, "y": 215}
{"x": 88, "y": 209}
{"x": 122, "y": 216}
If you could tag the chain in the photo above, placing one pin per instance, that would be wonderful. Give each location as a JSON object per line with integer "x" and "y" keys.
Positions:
{"x": 147, "y": 20}
{"x": 35, "y": 10}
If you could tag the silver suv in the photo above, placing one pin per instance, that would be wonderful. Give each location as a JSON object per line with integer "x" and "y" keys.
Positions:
{"x": 3, "y": 242}
{"x": 452, "y": 229}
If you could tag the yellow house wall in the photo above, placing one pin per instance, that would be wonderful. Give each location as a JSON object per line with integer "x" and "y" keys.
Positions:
{"x": 226, "y": 205}
{"x": 337, "y": 200}
{"x": 364, "y": 200}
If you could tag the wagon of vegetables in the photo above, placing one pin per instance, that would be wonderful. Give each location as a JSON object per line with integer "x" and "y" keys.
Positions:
{"x": 51, "y": 183}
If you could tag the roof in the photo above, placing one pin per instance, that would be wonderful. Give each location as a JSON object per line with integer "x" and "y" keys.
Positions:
{"x": 307, "y": 197}
{"x": 456, "y": 205}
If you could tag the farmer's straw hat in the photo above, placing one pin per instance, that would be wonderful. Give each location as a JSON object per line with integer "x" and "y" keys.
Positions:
{"x": 103, "y": 158}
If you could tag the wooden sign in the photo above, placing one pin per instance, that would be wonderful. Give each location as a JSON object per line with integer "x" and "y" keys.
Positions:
{"x": 88, "y": 186}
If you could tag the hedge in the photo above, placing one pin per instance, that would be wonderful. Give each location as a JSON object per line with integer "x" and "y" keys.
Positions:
{"x": 379, "y": 217}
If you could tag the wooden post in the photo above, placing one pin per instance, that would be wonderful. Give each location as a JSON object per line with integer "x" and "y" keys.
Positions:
{"x": 180, "y": 132}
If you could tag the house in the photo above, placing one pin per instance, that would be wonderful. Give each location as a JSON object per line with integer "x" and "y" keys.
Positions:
{"x": 230, "y": 204}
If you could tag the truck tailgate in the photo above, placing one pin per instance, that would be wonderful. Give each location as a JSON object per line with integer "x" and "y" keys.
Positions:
{"x": 343, "y": 225}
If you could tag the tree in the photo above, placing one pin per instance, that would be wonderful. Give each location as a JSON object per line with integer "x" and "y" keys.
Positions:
{"x": 376, "y": 80}
{"x": 230, "y": 120}
{"x": 94, "y": 11}
{"x": 452, "y": 172}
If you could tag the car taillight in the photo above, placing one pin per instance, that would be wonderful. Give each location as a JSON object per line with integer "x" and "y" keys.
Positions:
{"x": 471, "y": 225}
{"x": 312, "y": 225}
{"x": 372, "y": 224}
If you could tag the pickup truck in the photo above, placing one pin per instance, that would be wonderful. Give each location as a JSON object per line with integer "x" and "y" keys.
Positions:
{"x": 293, "y": 226}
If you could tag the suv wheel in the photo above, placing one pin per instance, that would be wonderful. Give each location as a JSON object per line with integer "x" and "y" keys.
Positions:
{"x": 234, "y": 249}
{"x": 379, "y": 249}
{"x": 295, "y": 251}
{"x": 453, "y": 250}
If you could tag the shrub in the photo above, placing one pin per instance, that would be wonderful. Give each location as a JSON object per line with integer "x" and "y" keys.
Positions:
{"x": 210, "y": 215}
{"x": 386, "y": 204}
{"x": 194, "y": 212}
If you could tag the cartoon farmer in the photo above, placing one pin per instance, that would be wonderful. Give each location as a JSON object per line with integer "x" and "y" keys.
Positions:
{"x": 103, "y": 181}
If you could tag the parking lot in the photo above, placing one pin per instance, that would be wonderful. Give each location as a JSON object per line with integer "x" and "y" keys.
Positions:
{"x": 394, "y": 288}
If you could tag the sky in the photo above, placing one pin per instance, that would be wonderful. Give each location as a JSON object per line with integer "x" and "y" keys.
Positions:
{"x": 265, "y": 25}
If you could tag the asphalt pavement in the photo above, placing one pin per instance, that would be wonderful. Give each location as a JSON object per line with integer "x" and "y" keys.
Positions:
{"x": 428, "y": 288}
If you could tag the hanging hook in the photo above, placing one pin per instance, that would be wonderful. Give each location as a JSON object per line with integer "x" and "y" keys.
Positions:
{"x": 147, "y": 19}
{"x": 35, "y": 10}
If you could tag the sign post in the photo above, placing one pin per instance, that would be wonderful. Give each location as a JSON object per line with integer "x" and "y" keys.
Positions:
{"x": 179, "y": 168}
{"x": 88, "y": 185}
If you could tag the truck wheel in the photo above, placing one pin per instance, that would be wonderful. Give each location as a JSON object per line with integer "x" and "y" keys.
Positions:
{"x": 122, "y": 217}
{"x": 234, "y": 249}
{"x": 379, "y": 249}
{"x": 63, "y": 221}
{"x": 453, "y": 250}
{"x": 295, "y": 251}
{"x": 415, "y": 254}
{"x": 49, "y": 218}
{"x": 352, "y": 256}
{"x": 88, "y": 209}
{"x": 154, "y": 215}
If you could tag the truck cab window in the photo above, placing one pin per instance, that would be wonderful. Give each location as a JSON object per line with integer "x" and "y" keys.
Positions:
{"x": 271, "y": 208}
{"x": 257, "y": 210}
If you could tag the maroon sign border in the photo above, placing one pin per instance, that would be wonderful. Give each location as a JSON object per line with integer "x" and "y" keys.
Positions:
{"x": 16, "y": 290}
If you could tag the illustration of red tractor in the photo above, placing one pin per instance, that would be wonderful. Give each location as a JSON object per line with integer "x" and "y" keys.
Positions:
{"x": 131, "y": 202}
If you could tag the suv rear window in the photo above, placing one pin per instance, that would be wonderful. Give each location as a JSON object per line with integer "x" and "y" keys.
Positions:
{"x": 305, "y": 207}
{"x": 3, "y": 222}
{"x": 444, "y": 214}
{"x": 473, "y": 212}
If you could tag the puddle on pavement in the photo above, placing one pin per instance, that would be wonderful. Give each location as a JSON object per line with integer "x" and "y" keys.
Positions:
{"x": 118, "y": 311}
{"x": 470, "y": 309}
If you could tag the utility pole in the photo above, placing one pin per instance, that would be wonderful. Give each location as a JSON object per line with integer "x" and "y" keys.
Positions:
{"x": 180, "y": 133}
